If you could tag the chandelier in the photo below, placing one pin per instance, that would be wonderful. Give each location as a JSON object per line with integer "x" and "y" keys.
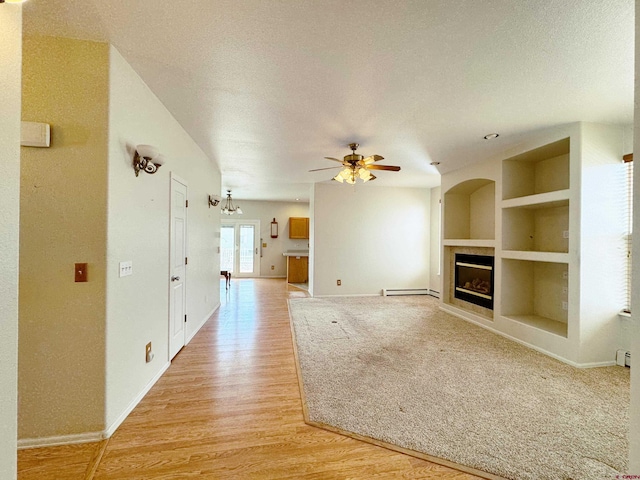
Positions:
{"x": 228, "y": 208}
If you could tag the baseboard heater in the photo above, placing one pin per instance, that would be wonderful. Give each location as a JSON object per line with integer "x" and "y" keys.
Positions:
{"x": 388, "y": 292}
{"x": 623, "y": 358}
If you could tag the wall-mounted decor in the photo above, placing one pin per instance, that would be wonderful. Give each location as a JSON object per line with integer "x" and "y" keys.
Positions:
{"x": 214, "y": 200}
{"x": 274, "y": 229}
{"x": 148, "y": 159}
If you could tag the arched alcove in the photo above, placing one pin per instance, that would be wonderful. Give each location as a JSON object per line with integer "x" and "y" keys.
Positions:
{"x": 469, "y": 210}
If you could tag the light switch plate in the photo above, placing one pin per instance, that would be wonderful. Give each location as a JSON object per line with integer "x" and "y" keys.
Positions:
{"x": 126, "y": 268}
{"x": 81, "y": 272}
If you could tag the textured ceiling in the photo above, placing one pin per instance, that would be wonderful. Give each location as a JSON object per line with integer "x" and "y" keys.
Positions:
{"x": 268, "y": 88}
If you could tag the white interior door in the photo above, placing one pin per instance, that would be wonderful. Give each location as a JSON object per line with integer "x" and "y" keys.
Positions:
{"x": 177, "y": 266}
{"x": 240, "y": 247}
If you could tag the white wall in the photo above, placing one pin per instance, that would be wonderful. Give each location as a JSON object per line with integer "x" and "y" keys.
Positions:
{"x": 138, "y": 230}
{"x": 436, "y": 235}
{"x": 634, "y": 411}
{"x": 265, "y": 212}
{"x": 603, "y": 221}
{"x": 370, "y": 238}
{"x": 10, "y": 73}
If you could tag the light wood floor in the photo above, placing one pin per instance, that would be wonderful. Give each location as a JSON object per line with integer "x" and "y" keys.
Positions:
{"x": 228, "y": 407}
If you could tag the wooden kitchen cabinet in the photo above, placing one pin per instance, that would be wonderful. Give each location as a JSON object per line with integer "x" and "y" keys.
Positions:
{"x": 299, "y": 227}
{"x": 297, "y": 269}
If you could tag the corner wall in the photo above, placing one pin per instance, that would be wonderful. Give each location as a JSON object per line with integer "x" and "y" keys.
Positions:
{"x": 10, "y": 79}
{"x": 436, "y": 235}
{"x": 138, "y": 231}
{"x": 63, "y": 221}
{"x": 370, "y": 238}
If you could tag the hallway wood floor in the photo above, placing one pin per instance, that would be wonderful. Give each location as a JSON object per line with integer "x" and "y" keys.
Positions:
{"x": 228, "y": 408}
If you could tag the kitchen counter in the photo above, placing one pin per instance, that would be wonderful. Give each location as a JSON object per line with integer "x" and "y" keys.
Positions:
{"x": 296, "y": 253}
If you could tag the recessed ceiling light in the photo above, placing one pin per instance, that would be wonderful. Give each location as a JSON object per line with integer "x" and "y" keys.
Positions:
{"x": 434, "y": 163}
{"x": 491, "y": 136}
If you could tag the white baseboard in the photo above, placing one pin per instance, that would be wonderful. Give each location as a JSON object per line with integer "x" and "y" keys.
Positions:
{"x": 121, "y": 418}
{"x": 478, "y": 320}
{"x": 89, "y": 437}
{"x": 204, "y": 320}
{"x": 349, "y": 295}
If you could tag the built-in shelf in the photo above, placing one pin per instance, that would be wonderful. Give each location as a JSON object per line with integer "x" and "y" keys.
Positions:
{"x": 552, "y": 257}
{"x": 541, "y": 227}
{"x": 543, "y": 323}
{"x": 539, "y": 200}
{"x": 465, "y": 242}
{"x": 541, "y": 170}
{"x": 554, "y": 225}
{"x": 536, "y": 293}
{"x": 469, "y": 210}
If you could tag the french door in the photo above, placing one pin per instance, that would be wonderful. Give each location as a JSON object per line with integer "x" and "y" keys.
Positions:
{"x": 240, "y": 247}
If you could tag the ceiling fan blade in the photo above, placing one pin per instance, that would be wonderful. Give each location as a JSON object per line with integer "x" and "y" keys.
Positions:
{"x": 318, "y": 169}
{"x": 371, "y": 159}
{"x": 391, "y": 168}
{"x": 334, "y": 159}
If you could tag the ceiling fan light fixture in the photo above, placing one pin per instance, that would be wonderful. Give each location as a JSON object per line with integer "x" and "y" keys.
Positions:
{"x": 356, "y": 166}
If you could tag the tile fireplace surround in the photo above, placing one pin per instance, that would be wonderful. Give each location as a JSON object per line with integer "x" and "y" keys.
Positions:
{"x": 451, "y": 299}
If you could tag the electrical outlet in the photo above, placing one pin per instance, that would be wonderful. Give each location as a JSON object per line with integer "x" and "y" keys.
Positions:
{"x": 565, "y": 305}
{"x": 565, "y": 234}
{"x": 148, "y": 353}
{"x": 339, "y": 282}
{"x": 273, "y": 267}
{"x": 565, "y": 275}
{"x": 565, "y": 289}
{"x": 264, "y": 245}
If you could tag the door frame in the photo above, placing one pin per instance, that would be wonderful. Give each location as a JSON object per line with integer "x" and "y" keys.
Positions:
{"x": 237, "y": 222}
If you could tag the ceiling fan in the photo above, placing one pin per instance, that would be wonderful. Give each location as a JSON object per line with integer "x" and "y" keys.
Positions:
{"x": 355, "y": 166}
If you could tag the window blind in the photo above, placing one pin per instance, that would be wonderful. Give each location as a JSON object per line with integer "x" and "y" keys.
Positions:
{"x": 628, "y": 162}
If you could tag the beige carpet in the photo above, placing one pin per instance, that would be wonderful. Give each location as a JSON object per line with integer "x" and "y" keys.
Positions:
{"x": 399, "y": 370}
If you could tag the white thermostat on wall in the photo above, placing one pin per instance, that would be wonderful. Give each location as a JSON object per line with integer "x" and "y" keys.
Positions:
{"x": 33, "y": 134}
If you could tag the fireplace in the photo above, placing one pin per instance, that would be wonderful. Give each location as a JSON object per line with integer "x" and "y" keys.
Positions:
{"x": 474, "y": 279}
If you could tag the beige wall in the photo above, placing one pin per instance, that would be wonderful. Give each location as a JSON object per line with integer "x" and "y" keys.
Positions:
{"x": 10, "y": 71}
{"x": 63, "y": 221}
{"x": 370, "y": 238}
{"x": 265, "y": 212}
{"x": 138, "y": 231}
